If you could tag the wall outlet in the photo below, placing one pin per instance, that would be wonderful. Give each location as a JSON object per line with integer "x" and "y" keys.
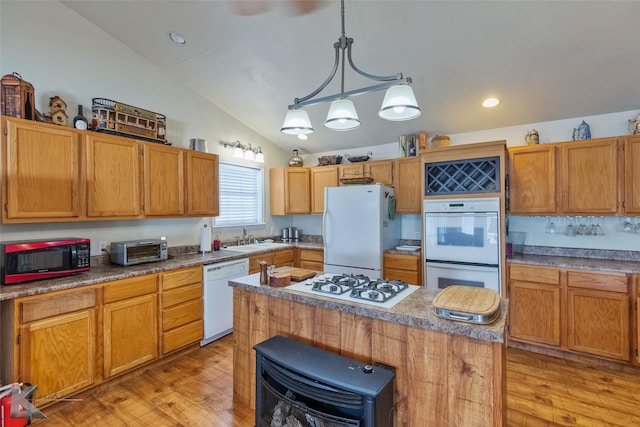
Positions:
{"x": 102, "y": 247}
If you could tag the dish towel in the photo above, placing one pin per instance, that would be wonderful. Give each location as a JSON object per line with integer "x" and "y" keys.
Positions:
{"x": 392, "y": 207}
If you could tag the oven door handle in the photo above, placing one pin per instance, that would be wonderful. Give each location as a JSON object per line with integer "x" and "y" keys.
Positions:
{"x": 450, "y": 264}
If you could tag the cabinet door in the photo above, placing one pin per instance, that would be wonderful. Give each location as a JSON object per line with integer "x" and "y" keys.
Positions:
{"x": 598, "y": 314}
{"x": 380, "y": 171}
{"x": 407, "y": 180}
{"x": 130, "y": 333}
{"x": 41, "y": 173}
{"x": 321, "y": 177}
{"x": 352, "y": 170}
{"x": 289, "y": 191}
{"x": 58, "y": 353}
{"x": 590, "y": 177}
{"x": 532, "y": 180}
{"x": 202, "y": 184}
{"x": 163, "y": 180}
{"x": 534, "y": 304}
{"x": 632, "y": 175}
{"x": 114, "y": 177}
{"x": 254, "y": 261}
{"x": 283, "y": 258}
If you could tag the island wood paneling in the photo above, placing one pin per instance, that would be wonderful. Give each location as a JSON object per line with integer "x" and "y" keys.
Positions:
{"x": 441, "y": 379}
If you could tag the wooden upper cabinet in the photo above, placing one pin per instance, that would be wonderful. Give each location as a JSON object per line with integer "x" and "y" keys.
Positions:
{"x": 351, "y": 170}
{"x": 380, "y": 171}
{"x": 532, "y": 179}
{"x": 203, "y": 192}
{"x": 407, "y": 180}
{"x": 289, "y": 191}
{"x": 590, "y": 176}
{"x": 114, "y": 177}
{"x": 163, "y": 180}
{"x": 41, "y": 172}
{"x": 631, "y": 203}
{"x": 321, "y": 177}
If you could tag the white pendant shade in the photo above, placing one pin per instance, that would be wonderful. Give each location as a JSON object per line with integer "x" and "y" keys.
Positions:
{"x": 238, "y": 152}
{"x": 260, "y": 157}
{"x": 399, "y": 104}
{"x": 342, "y": 116}
{"x": 296, "y": 122}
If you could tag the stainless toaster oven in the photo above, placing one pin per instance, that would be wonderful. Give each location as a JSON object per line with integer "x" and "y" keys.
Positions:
{"x": 133, "y": 252}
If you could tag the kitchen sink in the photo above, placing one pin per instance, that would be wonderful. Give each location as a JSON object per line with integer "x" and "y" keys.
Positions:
{"x": 255, "y": 247}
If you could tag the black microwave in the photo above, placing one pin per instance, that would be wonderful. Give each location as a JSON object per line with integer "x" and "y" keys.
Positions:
{"x": 24, "y": 261}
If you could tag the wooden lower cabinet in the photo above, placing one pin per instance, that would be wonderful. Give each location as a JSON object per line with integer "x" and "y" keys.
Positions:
{"x": 598, "y": 314}
{"x": 130, "y": 337}
{"x": 310, "y": 259}
{"x": 53, "y": 338}
{"x": 403, "y": 267}
{"x": 534, "y": 308}
{"x": 281, "y": 258}
{"x": 585, "y": 312}
{"x": 181, "y": 308}
{"x": 465, "y": 374}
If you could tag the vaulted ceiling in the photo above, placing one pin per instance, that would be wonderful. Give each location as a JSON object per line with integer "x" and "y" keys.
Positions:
{"x": 545, "y": 60}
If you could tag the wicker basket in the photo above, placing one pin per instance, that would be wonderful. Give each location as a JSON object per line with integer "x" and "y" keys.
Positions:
{"x": 440, "y": 141}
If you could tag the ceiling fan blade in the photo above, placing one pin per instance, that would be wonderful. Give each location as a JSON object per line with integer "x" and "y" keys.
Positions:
{"x": 250, "y": 7}
{"x": 302, "y": 7}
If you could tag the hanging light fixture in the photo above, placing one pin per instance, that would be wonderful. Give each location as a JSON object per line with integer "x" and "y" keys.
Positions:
{"x": 399, "y": 101}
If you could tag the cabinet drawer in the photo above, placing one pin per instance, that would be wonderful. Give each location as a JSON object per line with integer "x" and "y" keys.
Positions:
{"x": 312, "y": 255}
{"x": 402, "y": 262}
{"x": 53, "y": 305}
{"x": 281, "y": 258}
{"x": 178, "y": 278}
{"x": 182, "y": 315}
{"x": 180, "y": 295}
{"x": 527, "y": 273}
{"x": 128, "y": 288}
{"x": 312, "y": 265}
{"x": 410, "y": 277}
{"x": 181, "y": 336}
{"x": 590, "y": 280}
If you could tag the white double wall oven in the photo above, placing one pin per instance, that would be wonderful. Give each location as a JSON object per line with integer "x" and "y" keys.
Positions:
{"x": 462, "y": 243}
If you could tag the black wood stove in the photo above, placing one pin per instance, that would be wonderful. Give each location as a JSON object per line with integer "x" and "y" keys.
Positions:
{"x": 303, "y": 386}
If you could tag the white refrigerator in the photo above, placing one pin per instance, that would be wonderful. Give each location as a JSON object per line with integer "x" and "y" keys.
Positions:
{"x": 358, "y": 224}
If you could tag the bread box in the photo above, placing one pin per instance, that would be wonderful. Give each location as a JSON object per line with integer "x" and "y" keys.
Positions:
{"x": 467, "y": 304}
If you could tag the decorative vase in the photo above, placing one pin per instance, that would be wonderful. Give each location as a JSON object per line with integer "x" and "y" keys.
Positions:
{"x": 532, "y": 137}
{"x": 295, "y": 160}
{"x": 582, "y": 132}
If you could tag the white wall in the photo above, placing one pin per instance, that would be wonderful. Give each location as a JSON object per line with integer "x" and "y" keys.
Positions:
{"x": 60, "y": 53}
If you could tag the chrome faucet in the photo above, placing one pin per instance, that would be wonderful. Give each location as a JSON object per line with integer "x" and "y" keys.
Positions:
{"x": 244, "y": 234}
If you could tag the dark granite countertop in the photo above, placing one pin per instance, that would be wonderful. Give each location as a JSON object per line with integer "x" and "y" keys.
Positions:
{"x": 416, "y": 310}
{"x": 108, "y": 272}
{"x": 578, "y": 263}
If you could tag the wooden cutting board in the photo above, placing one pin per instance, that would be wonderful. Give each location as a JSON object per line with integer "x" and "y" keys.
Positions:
{"x": 300, "y": 274}
{"x": 468, "y": 299}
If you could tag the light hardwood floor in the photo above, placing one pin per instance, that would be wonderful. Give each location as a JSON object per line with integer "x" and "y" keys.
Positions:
{"x": 196, "y": 390}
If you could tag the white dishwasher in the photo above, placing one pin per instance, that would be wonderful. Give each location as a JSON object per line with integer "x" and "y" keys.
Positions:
{"x": 218, "y": 297}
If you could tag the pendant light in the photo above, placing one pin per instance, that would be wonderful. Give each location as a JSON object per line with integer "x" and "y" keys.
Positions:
{"x": 342, "y": 116}
{"x": 399, "y": 101}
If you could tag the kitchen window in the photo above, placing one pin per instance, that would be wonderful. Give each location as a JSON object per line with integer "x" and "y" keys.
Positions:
{"x": 241, "y": 195}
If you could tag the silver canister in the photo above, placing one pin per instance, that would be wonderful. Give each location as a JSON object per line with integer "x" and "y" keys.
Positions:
{"x": 285, "y": 234}
{"x": 198, "y": 144}
{"x": 296, "y": 235}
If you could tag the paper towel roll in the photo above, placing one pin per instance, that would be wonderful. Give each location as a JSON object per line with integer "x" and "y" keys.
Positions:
{"x": 205, "y": 239}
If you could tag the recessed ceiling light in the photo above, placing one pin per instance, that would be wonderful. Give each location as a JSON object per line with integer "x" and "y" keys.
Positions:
{"x": 490, "y": 102}
{"x": 303, "y": 137}
{"x": 176, "y": 38}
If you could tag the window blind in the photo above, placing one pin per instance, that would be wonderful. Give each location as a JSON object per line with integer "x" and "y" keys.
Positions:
{"x": 241, "y": 195}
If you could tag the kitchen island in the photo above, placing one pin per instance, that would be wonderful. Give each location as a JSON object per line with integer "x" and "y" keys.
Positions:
{"x": 447, "y": 373}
